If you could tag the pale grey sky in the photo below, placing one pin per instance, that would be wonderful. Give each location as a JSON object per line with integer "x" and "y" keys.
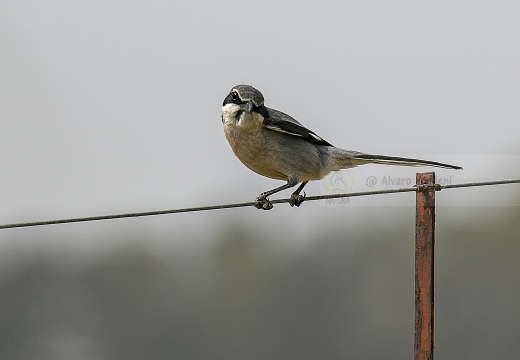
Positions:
{"x": 110, "y": 107}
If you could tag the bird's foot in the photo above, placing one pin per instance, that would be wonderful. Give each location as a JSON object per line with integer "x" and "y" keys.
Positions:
{"x": 262, "y": 202}
{"x": 296, "y": 199}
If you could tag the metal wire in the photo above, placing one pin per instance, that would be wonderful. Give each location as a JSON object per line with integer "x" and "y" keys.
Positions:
{"x": 252, "y": 203}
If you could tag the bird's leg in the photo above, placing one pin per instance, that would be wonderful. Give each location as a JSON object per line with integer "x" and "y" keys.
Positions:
{"x": 263, "y": 201}
{"x": 296, "y": 198}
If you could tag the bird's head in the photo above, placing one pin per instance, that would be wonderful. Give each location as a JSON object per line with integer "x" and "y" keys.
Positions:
{"x": 243, "y": 107}
{"x": 246, "y": 97}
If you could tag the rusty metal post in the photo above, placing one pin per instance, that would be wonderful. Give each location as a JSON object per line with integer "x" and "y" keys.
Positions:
{"x": 424, "y": 265}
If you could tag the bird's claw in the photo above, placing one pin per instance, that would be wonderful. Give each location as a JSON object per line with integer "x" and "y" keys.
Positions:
{"x": 296, "y": 199}
{"x": 262, "y": 202}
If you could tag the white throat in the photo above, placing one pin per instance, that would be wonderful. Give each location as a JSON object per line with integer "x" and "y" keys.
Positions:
{"x": 246, "y": 121}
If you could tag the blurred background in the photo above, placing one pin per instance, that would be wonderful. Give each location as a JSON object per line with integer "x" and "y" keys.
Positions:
{"x": 114, "y": 107}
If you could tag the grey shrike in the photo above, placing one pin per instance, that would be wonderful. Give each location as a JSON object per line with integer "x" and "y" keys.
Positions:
{"x": 275, "y": 145}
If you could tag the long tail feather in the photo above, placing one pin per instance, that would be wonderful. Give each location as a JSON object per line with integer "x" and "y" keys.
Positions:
{"x": 394, "y": 160}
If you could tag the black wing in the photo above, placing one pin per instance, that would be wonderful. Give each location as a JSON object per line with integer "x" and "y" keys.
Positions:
{"x": 281, "y": 122}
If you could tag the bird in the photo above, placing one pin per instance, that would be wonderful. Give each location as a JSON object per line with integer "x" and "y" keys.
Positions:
{"x": 275, "y": 145}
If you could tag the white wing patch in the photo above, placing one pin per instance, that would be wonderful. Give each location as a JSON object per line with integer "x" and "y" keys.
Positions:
{"x": 276, "y": 128}
{"x": 316, "y": 137}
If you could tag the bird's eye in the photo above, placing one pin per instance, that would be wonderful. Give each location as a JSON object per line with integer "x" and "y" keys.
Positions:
{"x": 234, "y": 95}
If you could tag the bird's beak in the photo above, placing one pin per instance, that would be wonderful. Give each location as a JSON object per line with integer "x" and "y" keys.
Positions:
{"x": 247, "y": 107}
